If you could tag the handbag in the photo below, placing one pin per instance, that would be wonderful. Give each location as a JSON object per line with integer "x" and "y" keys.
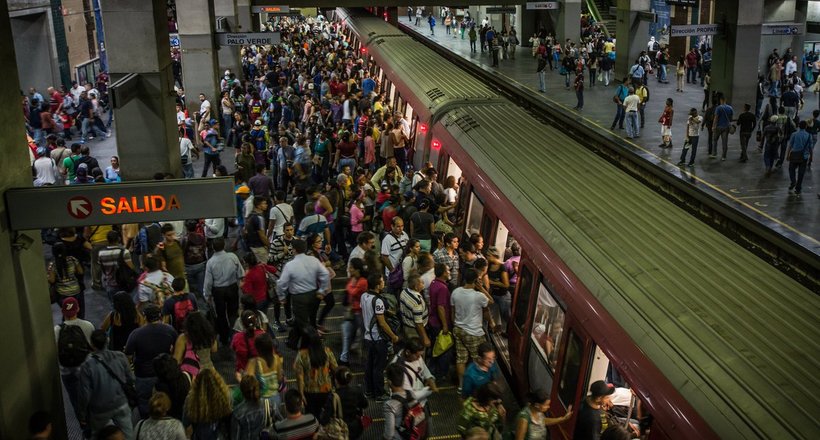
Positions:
{"x": 128, "y": 388}
{"x": 732, "y": 129}
{"x": 444, "y": 342}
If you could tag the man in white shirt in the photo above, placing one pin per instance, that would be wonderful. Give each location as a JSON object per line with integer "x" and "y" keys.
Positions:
{"x": 631, "y": 104}
{"x": 186, "y": 158}
{"x": 791, "y": 67}
{"x": 75, "y": 91}
{"x": 418, "y": 378}
{"x": 470, "y": 308}
{"x": 280, "y": 214}
{"x": 204, "y": 111}
{"x": 364, "y": 242}
{"x": 45, "y": 168}
{"x": 307, "y": 281}
{"x": 393, "y": 245}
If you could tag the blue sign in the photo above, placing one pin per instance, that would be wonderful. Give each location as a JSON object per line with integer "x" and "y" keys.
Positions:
{"x": 660, "y": 28}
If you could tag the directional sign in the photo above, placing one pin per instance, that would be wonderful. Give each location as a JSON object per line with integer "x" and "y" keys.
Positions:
{"x": 694, "y": 30}
{"x": 118, "y": 203}
{"x": 782, "y": 29}
{"x": 246, "y": 39}
{"x": 271, "y": 9}
{"x": 542, "y": 5}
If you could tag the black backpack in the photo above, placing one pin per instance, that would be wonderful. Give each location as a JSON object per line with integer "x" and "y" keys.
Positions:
{"x": 72, "y": 347}
{"x": 127, "y": 278}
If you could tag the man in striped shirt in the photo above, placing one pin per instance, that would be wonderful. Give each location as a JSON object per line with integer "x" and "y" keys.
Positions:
{"x": 413, "y": 310}
{"x": 296, "y": 426}
{"x": 448, "y": 256}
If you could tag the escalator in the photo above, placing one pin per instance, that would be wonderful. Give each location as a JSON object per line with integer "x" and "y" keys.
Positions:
{"x": 599, "y": 10}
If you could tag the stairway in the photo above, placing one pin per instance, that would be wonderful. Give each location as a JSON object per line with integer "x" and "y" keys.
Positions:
{"x": 600, "y": 11}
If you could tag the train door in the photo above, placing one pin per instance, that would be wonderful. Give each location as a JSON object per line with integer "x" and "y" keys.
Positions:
{"x": 519, "y": 330}
{"x": 497, "y": 235}
{"x": 544, "y": 337}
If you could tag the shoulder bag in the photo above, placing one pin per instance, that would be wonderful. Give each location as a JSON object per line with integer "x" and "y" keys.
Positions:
{"x": 128, "y": 388}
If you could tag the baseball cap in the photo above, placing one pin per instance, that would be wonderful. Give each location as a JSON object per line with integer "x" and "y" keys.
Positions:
{"x": 243, "y": 190}
{"x": 42, "y": 151}
{"x": 257, "y": 122}
{"x": 213, "y": 122}
{"x": 70, "y": 307}
{"x": 600, "y": 388}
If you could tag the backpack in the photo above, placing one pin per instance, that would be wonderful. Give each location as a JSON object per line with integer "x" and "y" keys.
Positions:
{"x": 182, "y": 307}
{"x": 391, "y": 317}
{"x": 72, "y": 347}
{"x": 161, "y": 291}
{"x": 125, "y": 277}
{"x": 413, "y": 425}
{"x": 147, "y": 239}
{"x": 194, "y": 253}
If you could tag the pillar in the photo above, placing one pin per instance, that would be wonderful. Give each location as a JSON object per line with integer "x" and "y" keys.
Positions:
{"x": 228, "y": 56}
{"x": 801, "y": 12}
{"x": 199, "y": 60}
{"x": 243, "y": 14}
{"x": 632, "y": 34}
{"x": 739, "y": 43}
{"x": 569, "y": 22}
{"x": 147, "y": 140}
{"x": 31, "y": 381}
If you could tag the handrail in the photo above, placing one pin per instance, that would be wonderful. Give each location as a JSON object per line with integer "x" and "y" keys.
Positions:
{"x": 596, "y": 14}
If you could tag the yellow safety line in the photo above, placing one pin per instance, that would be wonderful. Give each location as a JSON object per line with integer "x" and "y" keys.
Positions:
{"x": 728, "y": 195}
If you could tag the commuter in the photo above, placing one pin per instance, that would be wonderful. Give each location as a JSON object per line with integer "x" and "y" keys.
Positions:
{"x": 280, "y": 214}
{"x": 314, "y": 368}
{"x": 316, "y": 250}
{"x": 222, "y": 274}
{"x": 410, "y": 259}
{"x": 211, "y": 145}
{"x": 472, "y": 34}
{"x": 377, "y": 335}
{"x": 187, "y": 151}
{"x": 73, "y": 338}
{"x": 414, "y": 310}
{"x": 102, "y": 397}
{"x": 353, "y": 401}
{"x": 398, "y": 405}
{"x": 393, "y": 245}
{"x": 143, "y": 345}
{"x": 621, "y": 92}
{"x": 194, "y": 254}
{"x": 448, "y": 255}
{"x": 267, "y": 368}
{"x": 468, "y": 307}
{"x": 418, "y": 378}
{"x": 154, "y": 284}
{"x": 255, "y": 231}
{"x": 531, "y": 422}
{"x": 64, "y": 277}
{"x": 194, "y": 346}
{"x": 692, "y": 137}
{"x": 541, "y": 68}
{"x": 485, "y": 410}
{"x": 708, "y": 123}
{"x": 249, "y": 416}
{"x": 721, "y": 125}
{"x": 591, "y": 421}
{"x": 122, "y": 320}
{"x": 356, "y": 287}
{"x": 799, "y": 153}
{"x": 636, "y": 73}
{"x": 666, "y": 124}
{"x": 307, "y": 281}
{"x": 499, "y": 282}
{"x": 243, "y": 343}
{"x": 296, "y": 426}
{"x": 680, "y": 73}
{"x": 173, "y": 382}
{"x": 579, "y": 88}
{"x": 432, "y": 22}
{"x": 631, "y": 105}
{"x": 746, "y": 122}
{"x": 207, "y": 409}
{"x": 159, "y": 426}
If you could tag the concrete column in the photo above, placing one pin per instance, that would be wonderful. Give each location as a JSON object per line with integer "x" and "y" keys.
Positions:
{"x": 732, "y": 50}
{"x": 199, "y": 61}
{"x": 228, "y": 56}
{"x": 31, "y": 381}
{"x": 569, "y": 22}
{"x": 801, "y": 12}
{"x": 146, "y": 126}
{"x": 243, "y": 13}
{"x": 632, "y": 35}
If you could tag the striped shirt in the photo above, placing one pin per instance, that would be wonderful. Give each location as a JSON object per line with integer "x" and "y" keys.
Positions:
{"x": 451, "y": 261}
{"x": 300, "y": 428}
{"x": 413, "y": 309}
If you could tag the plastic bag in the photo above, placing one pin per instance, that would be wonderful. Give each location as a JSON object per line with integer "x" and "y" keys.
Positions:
{"x": 444, "y": 342}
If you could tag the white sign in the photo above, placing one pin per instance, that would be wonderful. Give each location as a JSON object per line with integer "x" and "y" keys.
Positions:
{"x": 542, "y": 5}
{"x": 246, "y": 39}
{"x": 694, "y": 30}
{"x": 782, "y": 29}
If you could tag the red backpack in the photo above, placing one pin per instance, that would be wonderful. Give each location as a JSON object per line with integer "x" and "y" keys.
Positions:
{"x": 182, "y": 306}
{"x": 413, "y": 424}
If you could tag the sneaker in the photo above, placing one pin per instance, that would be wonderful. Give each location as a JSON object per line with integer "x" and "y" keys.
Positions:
{"x": 691, "y": 165}
{"x": 681, "y": 163}
{"x": 108, "y": 135}
{"x": 723, "y": 158}
{"x": 791, "y": 188}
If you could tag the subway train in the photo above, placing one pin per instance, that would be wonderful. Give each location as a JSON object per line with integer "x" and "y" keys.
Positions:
{"x": 614, "y": 282}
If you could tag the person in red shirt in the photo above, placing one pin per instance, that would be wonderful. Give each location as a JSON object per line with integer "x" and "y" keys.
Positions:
{"x": 356, "y": 287}
{"x": 255, "y": 282}
{"x": 692, "y": 65}
{"x": 55, "y": 101}
{"x": 243, "y": 343}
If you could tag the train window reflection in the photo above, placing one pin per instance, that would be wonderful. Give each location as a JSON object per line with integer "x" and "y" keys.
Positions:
{"x": 547, "y": 326}
{"x": 570, "y": 370}
{"x": 474, "y": 216}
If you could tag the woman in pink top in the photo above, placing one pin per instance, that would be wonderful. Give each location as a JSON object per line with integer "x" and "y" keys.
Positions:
{"x": 369, "y": 150}
{"x": 357, "y": 217}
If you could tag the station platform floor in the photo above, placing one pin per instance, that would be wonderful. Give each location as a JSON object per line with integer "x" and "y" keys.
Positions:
{"x": 742, "y": 186}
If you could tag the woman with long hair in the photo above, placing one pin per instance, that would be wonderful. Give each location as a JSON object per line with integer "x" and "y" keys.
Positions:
{"x": 356, "y": 287}
{"x": 172, "y": 382}
{"x": 531, "y": 422}
{"x": 195, "y": 344}
{"x": 484, "y": 410}
{"x": 267, "y": 368}
{"x": 64, "y": 275}
{"x": 314, "y": 367}
{"x": 410, "y": 258}
{"x": 207, "y": 410}
{"x": 316, "y": 249}
{"x": 159, "y": 426}
{"x": 243, "y": 342}
{"x": 353, "y": 401}
{"x": 124, "y": 319}
{"x": 250, "y": 416}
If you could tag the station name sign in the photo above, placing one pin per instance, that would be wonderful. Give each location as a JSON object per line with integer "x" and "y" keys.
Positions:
{"x": 782, "y": 29}
{"x": 693, "y": 30}
{"x": 542, "y": 5}
{"x": 247, "y": 39}
{"x": 119, "y": 203}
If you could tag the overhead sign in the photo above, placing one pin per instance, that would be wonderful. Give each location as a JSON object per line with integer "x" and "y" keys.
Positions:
{"x": 174, "y": 40}
{"x": 782, "y": 29}
{"x": 542, "y": 5}
{"x": 694, "y": 30}
{"x": 118, "y": 203}
{"x": 501, "y": 10}
{"x": 272, "y": 9}
{"x": 246, "y": 39}
{"x": 682, "y": 2}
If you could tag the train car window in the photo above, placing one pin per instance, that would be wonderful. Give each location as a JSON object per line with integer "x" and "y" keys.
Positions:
{"x": 547, "y": 327}
{"x": 571, "y": 370}
{"x": 452, "y": 170}
{"x": 474, "y": 215}
{"x": 522, "y": 298}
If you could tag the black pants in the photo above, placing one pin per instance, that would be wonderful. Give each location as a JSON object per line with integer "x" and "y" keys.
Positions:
{"x": 210, "y": 159}
{"x": 374, "y": 369}
{"x": 226, "y": 307}
{"x": 329, "y": 301}
{"x": 304, "y": 307}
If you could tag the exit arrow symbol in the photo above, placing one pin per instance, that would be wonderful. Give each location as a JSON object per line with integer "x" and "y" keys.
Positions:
{"x": 79, "y": 207}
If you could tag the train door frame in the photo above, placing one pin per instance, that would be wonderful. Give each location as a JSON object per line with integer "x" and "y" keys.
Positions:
{"x": 520, "y": 328}
{"x": 587, "y": 352}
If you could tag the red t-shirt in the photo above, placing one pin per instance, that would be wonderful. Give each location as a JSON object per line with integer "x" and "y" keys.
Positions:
{"x": 245, "y": 348}
{"x": 255, "y": 282}
{"x": 346, "y": 149}
{"x": 355, "y": 289}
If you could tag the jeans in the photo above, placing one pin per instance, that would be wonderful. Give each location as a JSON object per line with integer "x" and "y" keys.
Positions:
{"x": 71, "y": 382}
{"x": 210, "y": 159}
{"x": 579, "y": 94}
{"x": 542, "y": 81}
{"x": 86, "y": 125}
{"x": 96, "y": 269}
{"x": 503, "y": 302}
{"x": 120, "y": 417}
{"x": 304, "y": 307}
{"x": 722, "y": 133}
{"x": 472, "y": 46}
{"x": 791, "y": 112}
{"x": 227, "y": 120}
{"x": 351, "y": 162}
{"x": 592, "y": 78}
{"x": 774, "y": 88}
{"x": 744, "y": 144}
{"x": 145, "y": 388}
{"x": 195, "y": 273}
{"x": 710, "y": 141}
{"x": 662, "y": 73}
{"x": 188, "y": 170}
{"x": 226, "y": 307}
{"x": 633, "y": 129}
{"x": 619, "y": 117}
{"x": 641, "y": 109}
{"x": 374, "y": 366}
{"x": 692, "y": 74}
{"x": 693, "y": 144}
{"x": 349, "y": 331}
{"x": 329, "y": 301}
{"x": 37, "y": 134}
{"x": 801, "y": 171}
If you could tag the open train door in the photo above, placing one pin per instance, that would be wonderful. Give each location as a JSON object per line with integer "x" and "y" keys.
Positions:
{"x": 520, "y": 327}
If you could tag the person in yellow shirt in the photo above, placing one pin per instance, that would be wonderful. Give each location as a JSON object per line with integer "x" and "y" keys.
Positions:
{"x": 643, "y": 93}
{"x": 98, "y": 237}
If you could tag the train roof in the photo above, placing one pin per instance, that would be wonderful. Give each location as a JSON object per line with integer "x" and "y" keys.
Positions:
{"x": 737, "y": 338}
{"x": 368, "y": 27}
{"x": 432, "y": 83}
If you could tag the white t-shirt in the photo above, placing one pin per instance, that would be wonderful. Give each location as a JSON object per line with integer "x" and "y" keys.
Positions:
{"x": 180, "y": 117}
{"x": 279, "y": 215}
{"x": 393, "y": 247}
{"x": 450, "y": 196}
{"x": 185, "y": 147}
{"x": 157, "y": 278}
{"x": 46, "y": 170}
{"x": 205, "y": 107}
{"x": 369, "y": 313}
{"x": 468, "y": 306}
{"x": 419, "y": 373}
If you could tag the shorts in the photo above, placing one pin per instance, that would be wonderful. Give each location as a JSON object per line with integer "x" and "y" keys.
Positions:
{"x": 666, "y": 131}
{"x": 466, "y": 344}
